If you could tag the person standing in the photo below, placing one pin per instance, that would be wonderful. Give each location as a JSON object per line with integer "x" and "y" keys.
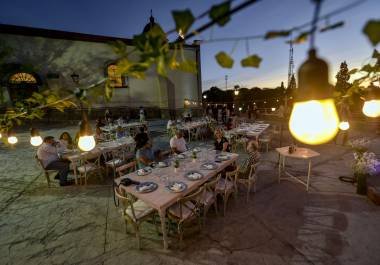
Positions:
{"x": 142, "y": 114}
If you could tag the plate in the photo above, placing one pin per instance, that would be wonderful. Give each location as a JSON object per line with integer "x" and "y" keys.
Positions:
{"x": 209, "y": 166}
{"x": 193, "y": 175}
{"x": 181, "y": 156}
{"x": 162, "y": 164}
{"x": 144, "y": 171}
{"x": 223, "y": 157}
{"x": 176, "y": 186}
{"x": 146, "y": 187}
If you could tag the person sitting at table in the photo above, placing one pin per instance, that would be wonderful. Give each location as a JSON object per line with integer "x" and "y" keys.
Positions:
{"x": 48, "y": 155}
{"x": 99, "y": 135}
{"x": 253, "y": 158}
{"x": 178, "y": 143}
{"x": 120, "y": 132}
{"x": 145, "y": 155}
{"x": 141, "y": 138}
{"x": 221, "y": 143}
{"x": 66, "y": 141}
{"x": 99, "y": 122}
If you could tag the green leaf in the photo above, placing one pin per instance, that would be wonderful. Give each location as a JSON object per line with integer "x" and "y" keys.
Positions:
{"x": 333, "y": 26}
{"x": 372, "y": 31}
{"x": 161, "y": 67}
{"x": 276, "y": 34}
{"x": 118, "y": 47}
{"x": 224, "y": 60}
{"x": 189, "y": 66}
{"x": 251, "y": 61}
{"x": 218, "y": 13}
{"x": 183, "y": 20}
{"x": 353, "y": 71}
{"x": 108, "y": 90}
{"x": 367, "y": 68}
{"x": 302, "y": 37}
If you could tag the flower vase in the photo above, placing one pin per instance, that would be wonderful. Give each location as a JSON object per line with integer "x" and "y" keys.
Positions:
{"x": 361, "y": 183}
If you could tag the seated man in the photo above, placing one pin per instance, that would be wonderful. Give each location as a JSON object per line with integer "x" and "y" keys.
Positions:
{"x": 253, "y": 158}
{"x": 178, "y": 143}
{"x": 141, "y": 138}
{"x": 48, "y": 154}
{"x": 145, "y": 155}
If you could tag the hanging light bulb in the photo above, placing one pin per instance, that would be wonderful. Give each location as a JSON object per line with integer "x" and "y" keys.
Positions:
{"x": 371, "y": 107}
{"x": 344, "y": 125}
{"x": 314, "y": 119}
{"x": 86, "y": 140}
{"x": 35, "y": 137}
{"x": 12, "y": 139}
{"x": 1, "y": 136}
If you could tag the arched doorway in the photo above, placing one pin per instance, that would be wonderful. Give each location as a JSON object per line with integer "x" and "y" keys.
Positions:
{"x": 21, "y": 86}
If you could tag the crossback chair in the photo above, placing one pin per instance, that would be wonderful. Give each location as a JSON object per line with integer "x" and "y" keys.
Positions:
{"x": 117, "y": 158}
{"x": 134, "y": 212}
{"x": 46, "y": 172}
{"x": 208, "y": 197}
{"x": 251, "y": 180}
{"x": 89, "y": 163}
{"x": 185, "y": 211}
{"x": 226, "y": 187}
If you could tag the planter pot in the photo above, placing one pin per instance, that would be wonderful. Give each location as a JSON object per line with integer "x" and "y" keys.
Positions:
{"x": 361, "y": 183}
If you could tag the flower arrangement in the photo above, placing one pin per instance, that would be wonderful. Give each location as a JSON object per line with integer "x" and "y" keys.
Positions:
{"x": 359, "y": 145}
{"x": 365, "y": 163}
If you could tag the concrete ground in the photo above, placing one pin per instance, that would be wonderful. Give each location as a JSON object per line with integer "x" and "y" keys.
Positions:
{"x": 281, "y": 223}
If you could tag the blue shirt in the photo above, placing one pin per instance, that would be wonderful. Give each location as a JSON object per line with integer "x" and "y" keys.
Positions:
{"x": 146, "y": 153}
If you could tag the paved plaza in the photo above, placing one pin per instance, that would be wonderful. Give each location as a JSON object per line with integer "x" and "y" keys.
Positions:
{"x": 281, "y": 223}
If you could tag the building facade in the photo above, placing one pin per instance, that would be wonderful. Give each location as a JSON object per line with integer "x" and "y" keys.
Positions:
{"x": 48, "y": 59}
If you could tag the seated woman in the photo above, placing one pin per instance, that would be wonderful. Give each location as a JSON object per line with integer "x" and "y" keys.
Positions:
{"x": 145, "y": 155}
{"x": 253, "y": 158}
{"x": 99, "y": 135}
{"x": 178, "y": 143}
{"x": 221, "y": 142}
{"x": 65, "y": 141}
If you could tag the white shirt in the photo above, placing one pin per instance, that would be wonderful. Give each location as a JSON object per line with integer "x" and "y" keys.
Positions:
{"x": 178, "y": 143}
{"x": 170, "y": 124}
{"x": 47, "y": 154}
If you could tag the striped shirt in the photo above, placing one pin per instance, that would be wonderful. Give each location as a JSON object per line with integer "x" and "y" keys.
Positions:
{"x": 253, "y": 158}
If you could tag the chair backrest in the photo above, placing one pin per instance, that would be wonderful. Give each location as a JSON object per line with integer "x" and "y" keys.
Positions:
{"x": 190, "y": 198}
{"x": 232, "y": 175}
{"x": 253, "y": 171}
{"x": 126, "y": 168}
{"x": 127, "y": 202}
{"x": 39, "y": 162}
{"x": 210, "y": 185}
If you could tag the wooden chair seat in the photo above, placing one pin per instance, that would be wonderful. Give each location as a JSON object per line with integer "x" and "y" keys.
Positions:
{"x": 141, "y": 210}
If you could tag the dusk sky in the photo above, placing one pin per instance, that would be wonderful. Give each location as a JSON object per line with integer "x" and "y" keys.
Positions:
{"x": 124, "y": 18}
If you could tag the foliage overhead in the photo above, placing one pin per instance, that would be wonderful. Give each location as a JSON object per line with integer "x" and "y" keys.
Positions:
{"x": 218, "y": 13}
{"x": 251, "y": 61}
{"x": 183, "y": 20}
{"x": 372, "y": 31}
{"x": 224, "y": 60}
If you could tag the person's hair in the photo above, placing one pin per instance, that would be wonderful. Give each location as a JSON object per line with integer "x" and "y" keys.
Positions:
{"x": 142, "y": 129}
{"x": 69, "y": 139}
{"x": 48, "y": 138}
{"x": 218, "y": 129}
{"x": 177, "y": 131}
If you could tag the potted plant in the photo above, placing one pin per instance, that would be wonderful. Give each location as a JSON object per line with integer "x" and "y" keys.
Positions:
{"x": 364, "y": 164}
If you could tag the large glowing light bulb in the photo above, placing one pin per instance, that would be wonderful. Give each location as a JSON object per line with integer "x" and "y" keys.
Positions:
{"x": 86, "y": 143}
{"x": 1, "y": 135}
{"x": 371, "y": 108}
{"x": 314, "y": 121}
{"x": 36, "y": 140}
{"x": 344, "y": 125}
{"x": 12, "y": 139}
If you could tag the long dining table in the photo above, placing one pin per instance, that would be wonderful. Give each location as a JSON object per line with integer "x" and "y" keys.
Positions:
{"x": 101, "y": 148}
{"x": 162, "y": 198}
{"x": 250, "y": 130}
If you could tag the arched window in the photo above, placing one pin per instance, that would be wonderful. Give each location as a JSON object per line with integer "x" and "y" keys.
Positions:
{"x": 22, "y": 78}
{"x": 116, "y": 79}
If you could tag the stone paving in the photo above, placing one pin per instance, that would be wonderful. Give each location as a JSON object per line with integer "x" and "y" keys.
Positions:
{"x": 281, "y": 223}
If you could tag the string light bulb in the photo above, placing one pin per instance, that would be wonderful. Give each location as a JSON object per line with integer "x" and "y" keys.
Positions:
{"x": 314, "y": 119}
{"x": 371, "y": 107}
{"x": 86, "y": 140}
{"x": 344, "y": 125}
{"x": 12, "y": 139}
{"x": 35, "y": 137}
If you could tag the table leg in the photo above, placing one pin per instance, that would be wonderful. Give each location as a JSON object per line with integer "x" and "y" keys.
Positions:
{"x": 75, "y": 173}
{"x": 162, "y": 214}
{"x": 308, "y": 176}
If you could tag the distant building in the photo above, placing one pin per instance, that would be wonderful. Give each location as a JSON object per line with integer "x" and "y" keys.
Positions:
{"x": 42, "y": 59}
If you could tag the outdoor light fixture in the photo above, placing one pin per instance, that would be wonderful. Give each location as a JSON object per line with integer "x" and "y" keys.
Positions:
{"x": 86, "y": 140}
{"x": 371, "y": 107}
{"x": 187, "y": 102}
{"x": 1, "y": 135}
{"x": 236, "y": 91}
{"x": 204, "y": 96}
{"x": 240, "y": 108}
{"x": 75, "y": 77}
{"x": 314, "y": 119}
{"x": 344, "y": 125}
{"x": 273, "y": 109}
{"x": 35, "y": 137}
{"x": 12, "y": 139}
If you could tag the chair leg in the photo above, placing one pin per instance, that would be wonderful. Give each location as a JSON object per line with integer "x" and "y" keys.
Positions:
{"x": 248, "y": 190}
{"x": 137, "y": 236}
{"x": 47, "y": 179}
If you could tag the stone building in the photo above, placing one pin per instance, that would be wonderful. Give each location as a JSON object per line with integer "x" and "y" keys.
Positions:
{"x": 50, "y": 59}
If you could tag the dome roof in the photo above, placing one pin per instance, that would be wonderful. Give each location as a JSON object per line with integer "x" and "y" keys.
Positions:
{"x": 150, "y": 24}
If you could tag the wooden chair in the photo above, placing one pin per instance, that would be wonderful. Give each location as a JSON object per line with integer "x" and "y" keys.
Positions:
{"x": 126, "y": 168}
{"x": 208, "y": 197}
{"x": 89, "y": 164}
{"x": 265, "y": 140}
{"x": 251, "y": 180}
{"x": 135, "y": 212}
{"x": 117, "y": 159}
{"x": 226, "y": 186}
{"x": 185, "y": 211}
{"x": 46, "y": 172}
